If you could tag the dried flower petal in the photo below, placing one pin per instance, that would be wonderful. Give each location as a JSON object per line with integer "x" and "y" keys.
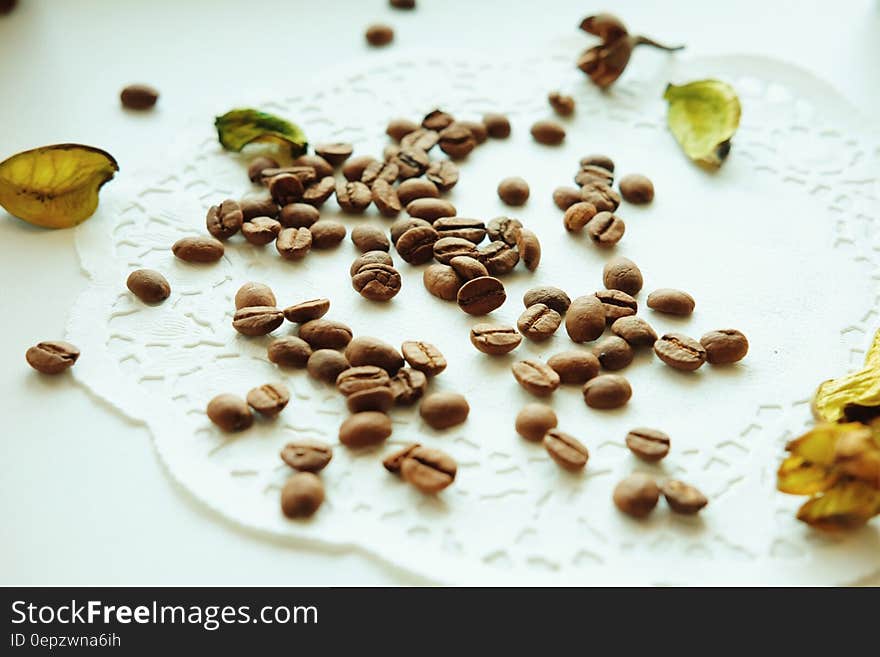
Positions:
{"x": 797, "y": 476}
{"x": 703, "y": 116}
{"x": 848, "y": 505}
{"x": 604, "y": 26}
{"x": 860, "y": 389}
{"x": 240, "y": 127}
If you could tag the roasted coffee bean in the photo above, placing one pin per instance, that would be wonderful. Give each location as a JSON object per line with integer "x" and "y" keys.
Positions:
{"x": 224, "y": 220}
{"x": 302, "y": 495}
{"x": 134, "y": 96}
{"x": 636, "y": 189}
{"x": 548, "y": 133}
{"x": 578, "y": 215}
{"x": 353, "y": 170}
{"x": 403, "y": 224}
{"x": 504, "y": 229}
{"x": 230, "y": 413}
{"x": 600, "y": 196}
{"x": 456, "y": 141}
{"x": 648, "y": 444}
{"x": 443, "y": 173}
{"x": 592, "y": 174}
{"x": 294, "y": 243}
{"x": 622, "y": 274}
{"x": 198, "y": 249}
{"x": 497, "y": 125}
{"x": 411, "y": 162}
{"x": 605, "y": 229}
{"x": 680, "y": 351}
{"x": 298, "y": 215}
{"x": 672, "y": 302}
{"x": 725, "y": 346}
{"x": 598, "y": 160}
{"x": 364, "y": 377}
{"x": 385, "y": 199}
{"x": 353, "y": 197}
{"x": 529, "y": 249}
{"x": 285, "y": 188}
{"x": 536, "y": 377}
{"x": 321, "y": 166}
{"x": 429, "y": 470}
{"x": 478, "y": 130}
{"x": 325, "y": 334}
{"x": 318, "y": 192}
{"x": 369, "y": 238}
{"x": 409, "y": 190}
{"x": 364, "y": 350}
{"x": 535, "y": 420}
{"x": 257, "y": 320}
{"x": 513, "y": 191}
{"x": 480, "y": 296}
{"x": 372, "y": 399}
{"x": 408, "y": 386}
{"x": 149, "y": 286}
{"x": 574, "y": 366}
{"x": 306, "y": 311}
{"x": 441, "y": 410}
{"x": 254, "y": 294}
{"x": 416, "y": 245}
{"x": 393, "y": 461}
{"x": 437, "y": 119}
{"x": 424, "y": 357}
{"x": 565, "y": 197}
{"x": 566, "y": 450}
{"x": 447, "y": 248}
{"x": 260, "y": 231}
{"x": 258, "y": 206}
{"x": 494, "y": 339}
{"x": 552, "y": 297}
{"x": 289, "y": 351}
{"x": 607, "y": 391}
{"x": 468, "y": 268}
{"x": 430, "y": 209}
{"x": 442, "y": 281}
{"x": 498, "y": 257}
{"x": 613, "y": 352}
{"x": 307, "y": 456}
{"x": 421, "y": 138}
{"x": 390, "y": 152}
{"x": 472, "y": 230}
{"x": 379, "y": 35}
{"x": 617, "y": 304}
{"x": 365, "y": 429}
{"x": 637, "y": 495}
{"x": 335, "y": 153}
{"x": 269, "y": 398}
{"x": 538, "y": 322}
{"x": 304, "y": 174}
{"x": 370, "y": 258}
{"x": 634, "y": 330}
{"x": 683, "y": 498}
{"x": 52, "y": 356}
{"x": 399, "y": 128}
{"x": 376, "y": 170}
{"x": 326, "y": 364}
{"x": 563, "y": 105}
{"x": 585, "y": 319}
{"x": 326, "y": 234}
{"x": 377, "y": 282}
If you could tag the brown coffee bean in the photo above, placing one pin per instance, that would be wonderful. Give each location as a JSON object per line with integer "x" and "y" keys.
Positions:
{"x": 399, "y": 227}
{"x": 585, "y": 319}
{"x": 552, "y": 297}
{"x": 636, "y": 189}
{"x": 725, "y": 346}
{"x": 260, "y": 231}
{"x": 443, "y": 173}
{"x": 318, "y": 192}
{"x": 254, "y": 294}
{"x": 325, "y": 334}
{"x": 538, "y": 322}
{"x": 269, "y": 398}
{"x": 335, "y": 153}
{"x": 617, "y": 304}
{"x": 294, "y": 243}
{"x": 548, "y": 133}
{"x": 353, "y": 170}
{"x": 302, "y": 495}
{"x": 224, "y": 220}
{"x": 565, "y": 197}
{"x": 411, "y": 162}
{"x": 497, "y": 125}
{"x": 385, "y": 199}
{"x": 289, "y": 351}
{"x": 52, "y": 356}
{"x": 441, "y": 410}
{"x": 529, "y": 249}
{"x": 634, "y": 330}
{"x": 364, "y": 350}
{"x": 442, "y": 281}
{"x": 379, "y": 35}
{"x": 598, "y": 160}
{"x": 536, "y": 377}
{"x": 429, "y": 470}
{"x": 372, "y": 399}
{"x": 613, "y": 352}
{"x": 430, "y": 209}
{"x": 399, "y": 128}
{"x": 198, "y": 249}
{"x": 377, "y": 282}
{"x": 257, "y": 320}
{"x": 408, "y": 386}
{"x": 230, "y": 413}
{"x": 370, "y": 258}
{"x": 504, "y": 229}
{"x": 456, "y": 141}
{"x": 369, "y": 238}
{"x": 416, "y": 245}
{"x": 578, "y": 215}
{"x": 563, "y": 105}
{"x": 648, "y": 444}
{"x": 353, "y": 197}
{"x": 494, "y": 339}
{"x": 607, "y": 391}
{"x": 376, "y": 170}
{"x": 467, "y": 268}
{"x": 148, "y": 285}
{"x": 672, "y": 302}
{"x": 535, "y": 420}
{"x": 259, "y": 206}
{"x": 498, "y": 257}
{"x": 600, "y": 196}
{"x": 680, "y": 352}
{"x": 306, "y": 311}
{"x": 364, "y": 377}
{"x": 472, "y": 230}
{"x": 321, "y": 167}
{"x": 622, "y": 274}
{"x": 327, "y": 234}
{"x": 421, "y": 138}
{"x": 591, "y": 174}
{"x": 683, "y": 498}
{"x": 574, "y": 366}
{"x": 478, "y": 130}
{"x": 326, "y": 364}
{"x": 307, "y": 456}
{"x": 285, "y": 188}
{"x": 437, "y": 119}
{"x": 480, "y": 296}
{"x": 365, "y": 429}
{"x": 637, "y": 495}
{"x": 605, "y": 229}
{"x": 390, "y": 152}
{"x": 393, "y": 461}
{"x": 447, "y": 248}
{"x": 424, "y": 357}
{"x": 409, "y": 190}
{"x": 298, "y": 215}
{"x": 566, "y": 450}
{"x": 135, "y": 96}
{"x": 304, "y": 174}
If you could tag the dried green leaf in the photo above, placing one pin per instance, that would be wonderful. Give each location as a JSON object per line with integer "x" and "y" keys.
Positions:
{"x": 240, "y": 127}
{"x": 703, "y": 116}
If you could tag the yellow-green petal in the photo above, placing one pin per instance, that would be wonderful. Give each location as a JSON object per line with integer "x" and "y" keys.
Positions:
{"x": 703, "y": 116}
{"x": 240, "y": 127}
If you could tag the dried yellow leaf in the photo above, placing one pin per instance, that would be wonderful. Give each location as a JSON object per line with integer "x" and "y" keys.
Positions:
{"x": 847, "y": 505}
{"x": 853, "y": 395}
{"x": 797, "y": 476}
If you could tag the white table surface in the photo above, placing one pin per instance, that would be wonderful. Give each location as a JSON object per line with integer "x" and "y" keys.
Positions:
{"x": 83, "y": 497}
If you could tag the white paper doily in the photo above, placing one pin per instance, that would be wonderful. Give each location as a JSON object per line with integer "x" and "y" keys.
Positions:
{"x": 780, "y": 243}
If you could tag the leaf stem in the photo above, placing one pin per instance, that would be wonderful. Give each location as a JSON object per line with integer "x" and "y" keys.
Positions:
{"x": 650, "y": 42}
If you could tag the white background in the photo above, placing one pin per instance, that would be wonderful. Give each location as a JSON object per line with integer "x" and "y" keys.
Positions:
{"x": 82, "y": 495}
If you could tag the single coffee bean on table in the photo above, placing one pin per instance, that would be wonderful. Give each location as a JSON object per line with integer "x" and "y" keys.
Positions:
{"x": 353, "y": 169}
{"x": 321, "y": 166}
{"x": 379, "y": 170}
{"x": 607, "y": 391}
{"x": 269, "y": 399}
{"x": 529, "y": 249}
{"x": 369, "y": 238}
{"x": 258, "y": 206}
{"x": 325, "y": 334}
{"x": 534, "y": 420}
{"x": 635, "y": 330}
{"x": 648, "y": 444}
{"x": 671, "y": 302}
{"x": 550, "y": 296}
{"x": 200, "y": 249}
{"x": 622, "y": 274}
{"x": 456, "y": 141}
{"x": 598, "y": 160}
{"x": 636, "y": 189}
{"x": 513, "y": 191}
{"x": 138, "y": 96}
{"x": 335, "y": 153}
{"x": 585, "y": 319}
{"x": 370, "y": 258}
{"x": 307, "y": 455}
{"x": 480, "y": 296}
{"x": 377, "y": 282}
{"x": 478, "y": 130}
{"x": 637, "y": 495}
{"x": 304, "y": 174}
{"x": 565, "y": 197}
{"x": 574, "y": 366}
{"x": 617, "y": 304}
{"x": 302, "y": 495}
{"x": 613, "y": 352}
{"x": 561, "y": 103}
{"x": 423, "y": 356}
{"x": 536, "y": 377}
{"x": 258, "y": 165}
{"x": 430, "y": 209}
{"x": 437, "y": 119}
{"x": 306, "y": 311}
{"x": 230, "y": 413}
{"x": 362, "y": 377}
{"x": 326, "y": 364}
{"x": 499, "y": 257}
{"x": 318, "y": 192}
{"x": 365, "y": 429}
{"x": 472, "y": 230}
{"x": 286, "y": 188}
{"x": 379, "y": 35}
{"x": 548, "y": 133}
{"x": 565, "y": 449}
{"x": 421, "y": 138}
{"x": 467, "y": 267}
{"x": 257, "y": 320}
{"x": 680, "y": 352}
{"x": 327, "y": 234}
{"x": 495, "y": 339}
{"x": 385, "y": 199}
{"x": 683, "y": 498}
{"x": 294, "y": 243}
{"x": 442, "y": 282}
{"x": 353, "y": 197}
{"x": 372, "y": 399}
{"x": 399, "y": 128}
{"x": 442, "y": 410}
{"x": 538, "y": 322}
{"x": 413, "y": 188}
{"x": 224, "y": 220}
{"x": 365, "y": 350}
{"x": 591, "y": 174}
{"x": 298, "y": 215}
{"x": 52, "y": 356}
{"x": 261, "y": 231}
{"x": 408, "y": 386}
{"x": 578, "y": 215}
{"x": 429, "y": 470}
{"x": 393, "y": 461}
{"x": 605, "y": 229}
{"x": 504, "y": 229}
{"x": 600, "y": 196}
{"x": 148, "y": 285}
{"x": 497, "y": 125}
{"x": 289, "y": 351}
{"x": 416, "y": 245}
{"x": 400, "y": 226}
{"x": 447, "y": 248}
{"x": 725, "y": 346}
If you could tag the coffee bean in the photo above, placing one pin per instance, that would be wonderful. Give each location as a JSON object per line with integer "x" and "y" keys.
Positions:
{"x": 364, "y": 350}
{"x": 385, "y": 199}
{"x": 335, "y": 153}
{"x": 563, "y": 105}
{"x": 353, "y": 197}
{"x": 447, "y": 248}
{"x": 364, "y": 377}
{"x": 424, "y": 357}
{"x": 605, "y": 229}
{"x": 390, "y": 152}
{"x": 254, "y": 294}
{"x": 574, "y": 366}
{"x": 529, "y": 249}
{"x": 285, "y": 188}
{"x": 497, "y": 125}
{"x": 607, "y": 391}
{"x": 377, "y": 282}
{"x": 393, "y": 461}
{"x": 408, "y": 386}
{"x": 298, "y": 215}
{"x": 138, "y": 96}
{"x": 478, "y": 130}
{"x": 421, "y": 138}
{"x": 566, "y": 450}
{"x": 325, "y": 334}
{"x": 411, "y": 162}
{"x": 442, "y": 282}
{"x": 725, "y": 346}
{"x": 326, "y": 234}
{"x": 369, "y": 238}
{"x": 379, "y": 35}
{"x": 416, "y": 245}
{"x": 672, "y": 302}
{"x": 305, "y": 174}
{"x": 548, "y": 133}
{"x": 585, "y": 319}
{"x": 399, "y": 128}
{"x": 224, "y": 220}
{"x": 480, "y": 296}
{"x": 429, "y": 470}
{"x": 230, "y": 413}
{"x": 372, "y": 399}
{"x": 307, "y": 456}
{"x": 321, "y": 166}
{"x": 591, "y": 174}
{"x": 683, "y": 498}
{"x": 403, "y": 224}
{"x": 149, "y": 286}
{"x": 598, "y": 160}
{"x": 52, "y": 356}
{"x": 565, "y": 197}
{"x": 326, "y": 364}
{"x": 600, "y": 196}
{"x": 257, "y": 320}
{"x": 317, "y": 193}
{"x": 504, "y": 229}
{"x": 622, "y": 274}
{"x": 617, "y": 304}
{"x": 294, "y": 243}
{"x": 456, "y": 141}
{"x": 637, "y": 495}
{"x": 535, "y": 420}
{"x": 260, "y": 231}
{"x": 353, "y": 170}
{"x": 443, "y": 173}
{"x": 409, "y": 190}
{"x": 472, "y": 230}
{"x": 648, "y": 444}
{"x": 680, "y": 352}
{"x": 259, "y": 206}
{"x": 365, "y": 429}
{"x": 370, "y": 258}
{"x": 289, "y": 351}
{"x": 269, "y": 398}
{"x": 437, "y": 119}
{"x": 494, "y": 339}
{"x": 441, "y": 410}
{"x": 498, "y": 257}
{"x": 636, "y": 189}
{"x": 302, "y": 495}
{"x": 552, "y": 297}
{"x": 536, "y": 377}
{"x": 613, "y": 352}
{"x": 467, "y": 268}
{"x": 376, "y": 170}
{"x": 198, "y": 249}
{"x": 634, "y": 330}
{"x": 430, "y": 209}
{"x": 306, "y": 311}
{"x": 538, "y": 322}
{"x": 578, "y": 215}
